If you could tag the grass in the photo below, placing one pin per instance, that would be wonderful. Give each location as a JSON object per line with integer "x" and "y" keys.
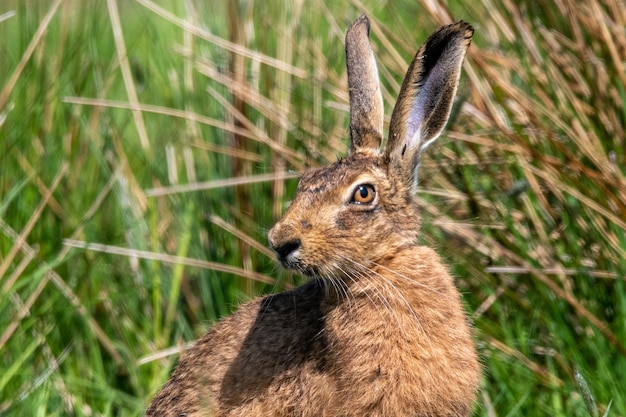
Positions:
{"x": 148, "y": 147}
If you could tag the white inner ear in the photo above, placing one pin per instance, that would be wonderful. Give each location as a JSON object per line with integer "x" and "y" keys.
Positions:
{"x": 378, "y": 97}
{"x": 427, "y": 100}
{"x": 413, "y": 141}
{"x": 426, "y": 144}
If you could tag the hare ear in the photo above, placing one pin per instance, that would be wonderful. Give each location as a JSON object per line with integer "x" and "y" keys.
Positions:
{"x": 366, "y": 100}
{"x": 427, "y": 94}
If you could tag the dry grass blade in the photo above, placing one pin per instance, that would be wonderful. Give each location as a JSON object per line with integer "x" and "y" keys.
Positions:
{"x": 551, "y": 271}
{"x": 537, "y": 369}
{"x": 149, "y": 108}
{"x": 135, "y": 198}
{"x": 164, "y": 353}
{"x": 242, "y": 236}
{"x": 493, "y": 249}
{"x": 170, "y": 259}
{"x": 41, "y": 30}
{"x": 226, "y": 150}
{"x": 21, "y": 239}
{"x": 608, "y": 38}
{"x": 51, "y": 275}
{"x": 17, "y": 272}
{"x": 23, "y": 311}
{"x": 43, "y": 189}
{"x": 289, "y": 154}
{"x": 68, "y": 293}
{"x": 208, "y": 185}
{"x": 129, "y": 83}
{"x": 222, "y": 43}
{"x": 274, "y": 110}
{"x": 7, "y": 16}
{"x": 281, "y": 95}
{"x": 588, "y": 201}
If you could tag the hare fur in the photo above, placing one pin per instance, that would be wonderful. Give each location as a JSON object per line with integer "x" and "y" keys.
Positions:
{"x": 379, "y": 329}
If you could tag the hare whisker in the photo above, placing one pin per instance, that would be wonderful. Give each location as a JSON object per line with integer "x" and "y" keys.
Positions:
{"x": 370, "y": 275}
{"x": 409, "y": 279}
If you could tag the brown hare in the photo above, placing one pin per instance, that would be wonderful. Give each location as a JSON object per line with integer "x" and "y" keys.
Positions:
{"x": 379, "y": 329}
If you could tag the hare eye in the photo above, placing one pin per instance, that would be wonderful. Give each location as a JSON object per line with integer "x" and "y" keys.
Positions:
{"x": 364, "y": 194}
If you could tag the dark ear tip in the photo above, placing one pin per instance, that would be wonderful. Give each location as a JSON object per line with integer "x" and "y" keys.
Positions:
{"x": 467, "y": 28}
{"x": 362, "y": 19}
{"x": 460, "y": 27}
{"x": 459, "y": 34}
{"x": 361, "y": 23}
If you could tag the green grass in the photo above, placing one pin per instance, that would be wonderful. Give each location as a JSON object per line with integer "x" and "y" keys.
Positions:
{"x": 121, "y": 238}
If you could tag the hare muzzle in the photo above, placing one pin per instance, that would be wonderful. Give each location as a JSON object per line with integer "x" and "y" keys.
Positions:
{"x": 285, "y": 241}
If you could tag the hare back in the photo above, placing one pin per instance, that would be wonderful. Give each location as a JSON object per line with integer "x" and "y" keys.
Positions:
{"x": 391, "y": 345}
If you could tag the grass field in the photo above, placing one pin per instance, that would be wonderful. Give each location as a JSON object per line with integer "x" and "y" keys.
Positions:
{"x": 147, "y": 147}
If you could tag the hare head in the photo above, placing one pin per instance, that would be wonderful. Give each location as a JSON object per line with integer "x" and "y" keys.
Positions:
{"x": 352, "y": 214}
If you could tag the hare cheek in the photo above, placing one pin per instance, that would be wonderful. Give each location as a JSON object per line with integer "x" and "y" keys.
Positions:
{"x": 358, "y": 219}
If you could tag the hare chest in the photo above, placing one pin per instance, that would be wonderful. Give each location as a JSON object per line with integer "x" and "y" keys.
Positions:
{"x": 316, "y": 351}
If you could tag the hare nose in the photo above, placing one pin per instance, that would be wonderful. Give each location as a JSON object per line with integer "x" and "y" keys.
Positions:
{"x": 285, "y": 249}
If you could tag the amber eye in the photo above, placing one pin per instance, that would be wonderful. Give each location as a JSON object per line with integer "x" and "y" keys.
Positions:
{"x": 364, "y": 194}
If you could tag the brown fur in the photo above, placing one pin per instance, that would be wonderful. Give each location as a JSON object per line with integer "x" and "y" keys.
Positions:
{"x": 366, "y": 100}
{"x": 379, "y": 330}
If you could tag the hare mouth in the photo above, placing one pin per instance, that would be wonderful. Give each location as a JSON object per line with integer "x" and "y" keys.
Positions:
{"x": 289, "y": 254}
{"x": 293, "y": 262}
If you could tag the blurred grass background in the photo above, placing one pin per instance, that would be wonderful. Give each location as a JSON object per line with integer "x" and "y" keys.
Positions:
{"x": 147, "y": 147}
